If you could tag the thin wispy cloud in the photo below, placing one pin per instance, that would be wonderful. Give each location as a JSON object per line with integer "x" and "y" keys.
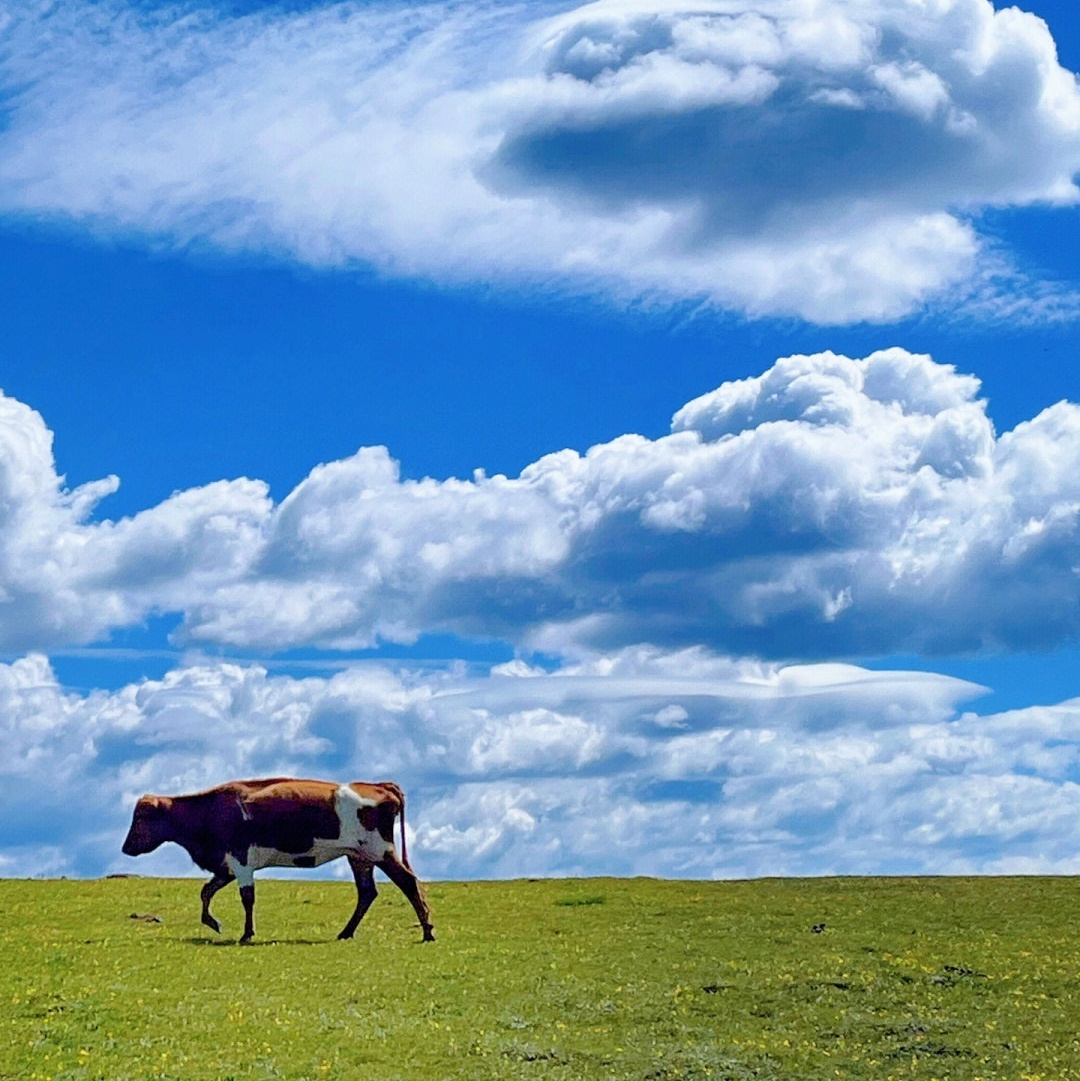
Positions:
{"x": 827, "y": 161}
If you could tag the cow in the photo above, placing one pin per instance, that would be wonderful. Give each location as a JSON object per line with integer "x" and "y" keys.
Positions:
{"x": 237, "y": 828}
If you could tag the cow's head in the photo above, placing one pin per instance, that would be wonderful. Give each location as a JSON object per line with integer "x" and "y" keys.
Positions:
{"x": 149, "y": 826}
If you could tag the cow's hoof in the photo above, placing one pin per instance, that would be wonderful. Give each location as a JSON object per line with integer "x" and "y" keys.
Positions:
{"x": 343, "y": 935}
{"x": 213, "y": 924}
{"x": 245, "y": 940}
{"x": 429, "y": 934}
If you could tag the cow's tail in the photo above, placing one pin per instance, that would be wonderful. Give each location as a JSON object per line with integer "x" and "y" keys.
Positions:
{"x": 400, "y": 795}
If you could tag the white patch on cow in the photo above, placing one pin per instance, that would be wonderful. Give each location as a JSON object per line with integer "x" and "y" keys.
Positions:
{"x": 352, "y": 839}
{"x": 364, "y": 842}
{"x": 245, "y": 874}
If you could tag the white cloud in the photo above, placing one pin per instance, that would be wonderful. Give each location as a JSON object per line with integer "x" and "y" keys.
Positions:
{"x": 816, "y": 160}
{"x": 912, "y": 87}
{"x": 536, "y": 740}
{"x": 829, "y": 507}
{"x": 64, "y": 580}
{"x": 768, "y": 770}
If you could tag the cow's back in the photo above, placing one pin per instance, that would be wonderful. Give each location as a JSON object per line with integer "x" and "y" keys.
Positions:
{"x": 290, "y": 815}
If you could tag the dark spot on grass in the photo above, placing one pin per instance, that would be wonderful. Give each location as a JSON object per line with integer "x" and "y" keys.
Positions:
{"x": 532, "y": 1054}
{"x": 930, "y": 1049}
{"x": 913, "y": 1029}
{"x": 583, "y": 899}
{"x": 951, "y": 975}
{"x": 693, "y": 1064}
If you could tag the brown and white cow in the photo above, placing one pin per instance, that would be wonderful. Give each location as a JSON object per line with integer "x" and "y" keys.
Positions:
{"x": 239, "y": 827}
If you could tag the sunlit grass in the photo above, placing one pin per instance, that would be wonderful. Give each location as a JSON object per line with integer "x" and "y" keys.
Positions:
{"x": 600, "y": 978}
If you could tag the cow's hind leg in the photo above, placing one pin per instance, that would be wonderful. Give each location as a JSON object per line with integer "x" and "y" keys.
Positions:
{"x": 409, "y": 885}
{"x": 364, "y": 873}
{"x": 220, "y": 880}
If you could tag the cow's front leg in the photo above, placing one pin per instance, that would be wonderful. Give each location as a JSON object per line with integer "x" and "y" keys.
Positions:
{"x": 409, "y": 885}
{"x": 364, "y": 873}
{"x": 220, "y": 880}
{"x": 245, "y": 878}
{"x": 247, "y": 896}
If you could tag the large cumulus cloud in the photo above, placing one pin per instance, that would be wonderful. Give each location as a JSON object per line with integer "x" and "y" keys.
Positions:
{"x": 829, "y": 507}
{"x": 640, "y": 761}
{"x": 827, "y": 160}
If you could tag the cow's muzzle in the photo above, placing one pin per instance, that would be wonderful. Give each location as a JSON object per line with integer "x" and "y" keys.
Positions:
{"x": 135, "y": 845}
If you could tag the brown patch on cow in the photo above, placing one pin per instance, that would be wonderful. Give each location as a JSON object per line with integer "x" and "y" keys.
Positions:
{"x": 380, "y": 819}
{"x": 387, "y": 813}
{"x": 377, "y": 793}
{"x": 290, "y": 815}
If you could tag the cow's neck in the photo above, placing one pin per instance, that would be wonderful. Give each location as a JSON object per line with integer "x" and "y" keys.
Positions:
{"x": 193, "y": 830}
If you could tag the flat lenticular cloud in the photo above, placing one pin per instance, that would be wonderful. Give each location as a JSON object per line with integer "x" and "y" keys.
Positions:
{"x": 829, "y": 507}
{"x": 825, "y": 160}
{"x": 766, "y": 770}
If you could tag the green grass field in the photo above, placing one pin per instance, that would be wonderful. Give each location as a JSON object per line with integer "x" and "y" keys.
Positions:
{"x": 597, "y": 978}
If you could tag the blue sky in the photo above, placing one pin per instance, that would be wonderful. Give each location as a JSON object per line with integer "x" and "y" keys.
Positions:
{"x": 592, "y": 417}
